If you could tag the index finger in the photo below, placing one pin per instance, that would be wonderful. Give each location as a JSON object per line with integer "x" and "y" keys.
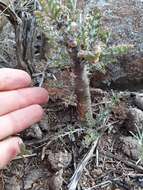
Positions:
{"x": 11, "y": 79}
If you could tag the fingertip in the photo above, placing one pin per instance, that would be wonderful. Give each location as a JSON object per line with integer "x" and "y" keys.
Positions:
{"x": 19, "y": 120}
{"x": 11, "y": 79}
{"x": 10, "y": 148}
{"x": 26, "y": 77}
{"x": 45, "y": 95}
{"x": 39, "y": 111}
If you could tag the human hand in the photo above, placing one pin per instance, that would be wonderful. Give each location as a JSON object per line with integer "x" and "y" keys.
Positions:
{"x": 19, "y": 108}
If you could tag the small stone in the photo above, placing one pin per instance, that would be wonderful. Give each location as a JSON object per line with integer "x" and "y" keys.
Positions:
{"x": 131, "y": 147}
{"x": 56, "y": 181}
{"x": 72, "y": 43}
{"x": 138, "y": 100}
{"x": 34, "y": 132}
{"x": 59, "y": 160}
{"x": 74, "y": 27}
{"x": 98, "y": 172}
{"x": 109, "y": 188}
{"x": 134, "y": 120}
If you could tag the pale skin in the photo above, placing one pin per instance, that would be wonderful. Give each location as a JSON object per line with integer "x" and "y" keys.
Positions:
{"x": 20, "y": 107}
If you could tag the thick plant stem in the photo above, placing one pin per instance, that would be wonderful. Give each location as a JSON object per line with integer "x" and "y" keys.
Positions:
{"x": 82, "y": 92}
{"x": 82, "y": 89}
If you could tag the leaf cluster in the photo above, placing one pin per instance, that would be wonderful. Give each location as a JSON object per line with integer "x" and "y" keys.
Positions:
{"x": 60, "y": 18}
{"x": 139, "y": 138}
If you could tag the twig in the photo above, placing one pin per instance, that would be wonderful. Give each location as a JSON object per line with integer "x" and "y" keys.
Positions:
{"x": 17, "y": 25}
{"x": 134, "y": 175}
{"x": 25, "y": 156}
{"x": 128, "y": 163}
{"x": 77, "y": 174}
{"x": 55, "y": 138}
{"x": 97, "y": 158}
{"x": 105, "y": 183}
{"x": 44, "y": 140}
{"x": 12, "y": 17}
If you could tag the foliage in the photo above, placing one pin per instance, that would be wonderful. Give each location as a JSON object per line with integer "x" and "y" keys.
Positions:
{"x": 139, "y": 137}
{"x": 84, "y": 27}
{"x": 101, "y": 119}
{"x": 73, "y": 35}
{"x": 76, "y": 35}
{"x": 23, "y": 150}
{"x": 91, "y": 136}
{"x": 60, "y": 19}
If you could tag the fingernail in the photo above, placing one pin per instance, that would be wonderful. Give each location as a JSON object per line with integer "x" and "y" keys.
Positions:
{"x": 21, "y": 145}
{"x": 20, "y": 141}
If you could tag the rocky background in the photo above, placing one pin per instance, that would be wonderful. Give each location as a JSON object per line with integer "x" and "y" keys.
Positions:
{"x": 125, "y": 21}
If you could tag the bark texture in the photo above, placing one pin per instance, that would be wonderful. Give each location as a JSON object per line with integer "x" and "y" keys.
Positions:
{"x": 82, "y": 89}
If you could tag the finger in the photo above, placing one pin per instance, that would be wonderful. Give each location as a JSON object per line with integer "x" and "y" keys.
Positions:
{"x": 19, "y": 120}
{"x": 11, "y": 79}
{"x": 9, "y": 148}
{"x": 18, "y": 99}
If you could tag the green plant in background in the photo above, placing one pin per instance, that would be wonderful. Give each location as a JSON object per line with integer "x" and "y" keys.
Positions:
{"x": 91, "y": 136}
{"x": 139, "y": 138}
{"x": 102, "y": 119}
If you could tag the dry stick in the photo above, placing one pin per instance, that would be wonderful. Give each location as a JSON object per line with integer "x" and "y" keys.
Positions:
{"x": 19, "y": 48}
{"x": 128, "y": 163}
{"x": 51, "y": 139}
{"x": 55, "y": 138}
{"x": 12, "y": 17}
{"x": 25, "y": 156}
{"x": 105, "y": 183}
{"x": 77, "y": 174}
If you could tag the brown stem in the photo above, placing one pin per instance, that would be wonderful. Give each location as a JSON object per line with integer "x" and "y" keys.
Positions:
{"x": 82, "y": 89}
{"x": 11, "y": 16}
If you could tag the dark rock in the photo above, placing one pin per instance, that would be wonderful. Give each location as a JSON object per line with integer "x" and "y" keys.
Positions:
{"x": 137, "y": 100}
{"x": 134, "y": 121}
{"x": 131, "y": 147}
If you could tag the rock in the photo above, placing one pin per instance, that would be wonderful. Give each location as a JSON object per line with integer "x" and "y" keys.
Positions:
{"x": 59, "y": 160}
{"x": 32, "y": 177}
{"x": 124, "y": 19}
{"x": 13, "y": 183}
{"x": 56, "y": 181}
{"x": 44, "y": 123}
{"x": 109, "y": 188}
{"x": 134, "y": 121}
{"x": 125, "y": 22}
{"x": 34, "y": 132}
{"x": 130, "y": 147}
{"x": 137, "y": 100}
{"x": 98, "y": 172}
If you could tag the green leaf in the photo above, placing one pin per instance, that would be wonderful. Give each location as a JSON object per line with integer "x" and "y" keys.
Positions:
{"x": 23, "y": 150}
